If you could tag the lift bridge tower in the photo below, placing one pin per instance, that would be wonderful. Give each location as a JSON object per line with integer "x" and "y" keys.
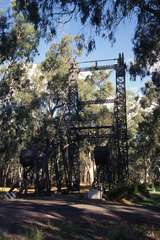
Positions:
{"x": 111, "y": 159}
{"x": 115, "y": 164}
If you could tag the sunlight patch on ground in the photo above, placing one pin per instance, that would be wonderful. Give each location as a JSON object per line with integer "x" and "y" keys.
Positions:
{"x": 126, "y": 202}
{"x": 4, "y": 189}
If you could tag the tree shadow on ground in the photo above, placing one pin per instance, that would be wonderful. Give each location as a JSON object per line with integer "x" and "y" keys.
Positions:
{"x": 61, "y": 218}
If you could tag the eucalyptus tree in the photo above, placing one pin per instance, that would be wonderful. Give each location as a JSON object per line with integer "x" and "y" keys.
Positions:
{"x": 145, "y": 137}
{"x": 18, "y": 44}
{"x": 103, "y": 17}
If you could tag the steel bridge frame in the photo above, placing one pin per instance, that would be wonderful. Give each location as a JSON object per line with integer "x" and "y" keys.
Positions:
{"x": 70, "y": 134}
{"x": 117, "y": 139}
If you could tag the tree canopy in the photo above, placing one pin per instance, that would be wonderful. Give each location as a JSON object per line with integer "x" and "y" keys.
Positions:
{"x": 32, "y": 105}
{"x": 103, "y": 17}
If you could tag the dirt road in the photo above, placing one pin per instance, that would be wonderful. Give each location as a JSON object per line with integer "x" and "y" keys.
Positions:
{"x": 65, "y": 217}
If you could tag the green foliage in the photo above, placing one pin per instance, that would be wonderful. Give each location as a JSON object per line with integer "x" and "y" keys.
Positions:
{"x": 31, "y": 106}
{"x": 18, "y": 39}
{"x": 35, "y": 234}
{"x": 96, "y": 86}
{"x": 144, "y": 140}
{"x": 133, "y": 192}
{"x": 32, "y": 100}
{"x": 103, "y": 17}
{"x": 18, "y": 44}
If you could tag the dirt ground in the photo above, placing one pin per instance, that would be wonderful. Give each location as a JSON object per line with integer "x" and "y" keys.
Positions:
{"x": 70, "y": 217}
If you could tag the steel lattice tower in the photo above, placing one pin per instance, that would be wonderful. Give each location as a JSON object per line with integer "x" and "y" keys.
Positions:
{"x": 73, "y": 121}
{"x": 120, "y": 123}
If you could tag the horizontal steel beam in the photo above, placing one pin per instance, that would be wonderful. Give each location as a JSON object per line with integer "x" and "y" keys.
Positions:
{"x": 97, "y": 101}
{"x": 96, "y": 68}
{"x": 92, "y": 127}
{"x": 100, "y": 60}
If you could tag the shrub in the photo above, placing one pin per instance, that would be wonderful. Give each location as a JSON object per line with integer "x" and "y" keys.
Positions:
{"x": 127, "y": 191}
{"x": 35, "y": 234}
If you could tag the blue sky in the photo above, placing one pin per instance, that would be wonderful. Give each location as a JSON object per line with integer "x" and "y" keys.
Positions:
{"x": 124, "y": 36}
{"x": 104, "y": 49}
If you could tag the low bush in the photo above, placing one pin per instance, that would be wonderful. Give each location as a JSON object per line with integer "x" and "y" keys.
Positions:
{"x": 35, "y": 234}
{"x": 127, "y": 192}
